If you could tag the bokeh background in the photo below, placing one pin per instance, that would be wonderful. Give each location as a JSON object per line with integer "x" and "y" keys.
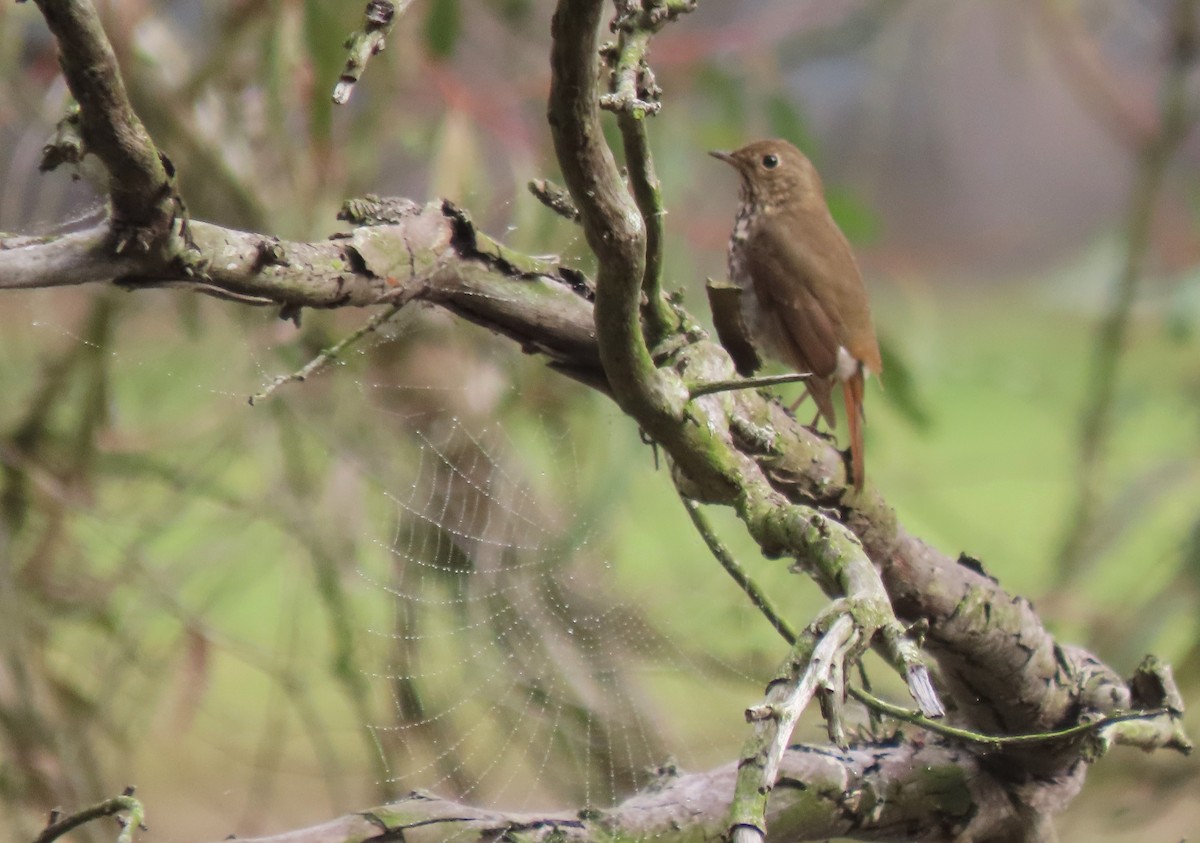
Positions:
{"x": 267, "y": 616}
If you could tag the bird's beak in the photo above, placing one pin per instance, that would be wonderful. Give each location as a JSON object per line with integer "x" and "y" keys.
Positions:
{"x": 727, "y": 157}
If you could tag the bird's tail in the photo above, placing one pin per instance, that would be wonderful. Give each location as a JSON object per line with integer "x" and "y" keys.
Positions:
{"x": 852, "y": 390}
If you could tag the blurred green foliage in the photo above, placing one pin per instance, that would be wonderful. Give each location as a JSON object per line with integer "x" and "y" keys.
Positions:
{"x": 443, "y": 23}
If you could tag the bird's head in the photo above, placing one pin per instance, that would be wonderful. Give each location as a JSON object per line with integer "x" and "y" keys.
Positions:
{"x": 774, "y": 172}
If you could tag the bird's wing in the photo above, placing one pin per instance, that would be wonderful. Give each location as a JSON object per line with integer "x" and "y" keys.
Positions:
{"x": 825, "y": 304}
{"x": 809, "y": 330}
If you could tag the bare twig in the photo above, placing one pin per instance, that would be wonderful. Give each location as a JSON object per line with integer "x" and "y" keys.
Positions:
{"x": 555, "y": 198}
{"x": 757, "y": 596}
{"x": 761, "y": 382}
{"x": 327, "y": 355}
{"x": 370, "y": 40}
{"x": 1103, "y": 724}
{"x": 657, "y": 315}
{"x": 125, "y": 803}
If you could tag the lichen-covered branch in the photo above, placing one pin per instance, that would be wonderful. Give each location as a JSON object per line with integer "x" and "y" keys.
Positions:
{"x": 366, "y": 42}
{"x": 433, "y": 254}
{"x": 634, "y": 96}
{"x": 811, "y": 663}
{"x": 141, "y": 181}
{"x": 864, "y": 793}
{"x": 123, "y": 804}
{"x": 695, "y": 434}
{"x": 648, "y": 194}
{"x": 611, "y": 220}
{"x": 1005, "y": 672}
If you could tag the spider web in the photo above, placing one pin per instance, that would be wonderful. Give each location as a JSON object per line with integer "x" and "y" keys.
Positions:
{"x": 517, "y": 672}
{"x": 516, "y": 665}
{"x": 516, "y": 652}
{"x": 521, "y": 667}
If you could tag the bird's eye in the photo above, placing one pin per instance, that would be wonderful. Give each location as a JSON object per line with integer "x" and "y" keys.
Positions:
{"x": 770, "y": 161}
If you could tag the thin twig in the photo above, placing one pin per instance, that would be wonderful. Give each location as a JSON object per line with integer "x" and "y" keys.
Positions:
{"x": 876, "y": 722}
{"x": 108, "y": 808}
{"x": 326, "y": 356}
{"x": 648, "y": 194}
{"x": 554, "y": 197}
{"x": 747, "y": 383}
{"x": 757, "y": 596}
{"x": 996, "y": 741}
{"x": 378, "y": 20}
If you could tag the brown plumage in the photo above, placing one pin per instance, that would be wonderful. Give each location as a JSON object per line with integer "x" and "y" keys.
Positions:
{"x": 803, "y": 300}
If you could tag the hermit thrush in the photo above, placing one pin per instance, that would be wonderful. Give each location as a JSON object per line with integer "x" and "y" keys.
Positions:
{"x": 802, "y": 296}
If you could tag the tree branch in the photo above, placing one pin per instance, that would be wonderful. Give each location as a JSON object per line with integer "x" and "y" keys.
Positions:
{"x": 433, "y": 254}
{"x": 123, "y": 804}
{"x": 633, "y": 97}
{"x": 611, "y": 221}
{"x": 141, "y": 183}
{"x": 865, "y": 793}
{"x": 365, "y": 43}
{"x": 696, "y": 435}
{"x": 82, "y": 257}
{"x": 812, "y": 663}
{"x": 734, "y": 448}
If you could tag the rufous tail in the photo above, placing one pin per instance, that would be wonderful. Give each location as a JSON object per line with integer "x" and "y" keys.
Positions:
{"x": 852, "y": 390}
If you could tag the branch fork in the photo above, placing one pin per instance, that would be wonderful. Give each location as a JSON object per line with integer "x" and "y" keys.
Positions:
{"x": 814, "y": 667}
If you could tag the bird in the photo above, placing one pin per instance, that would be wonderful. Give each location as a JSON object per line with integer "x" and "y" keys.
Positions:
{"x": 802, "y": 297}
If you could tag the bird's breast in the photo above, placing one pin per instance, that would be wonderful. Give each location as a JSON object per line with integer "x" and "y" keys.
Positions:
{"x": 762, "y": 323}
{"x": 739, "y": 241}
